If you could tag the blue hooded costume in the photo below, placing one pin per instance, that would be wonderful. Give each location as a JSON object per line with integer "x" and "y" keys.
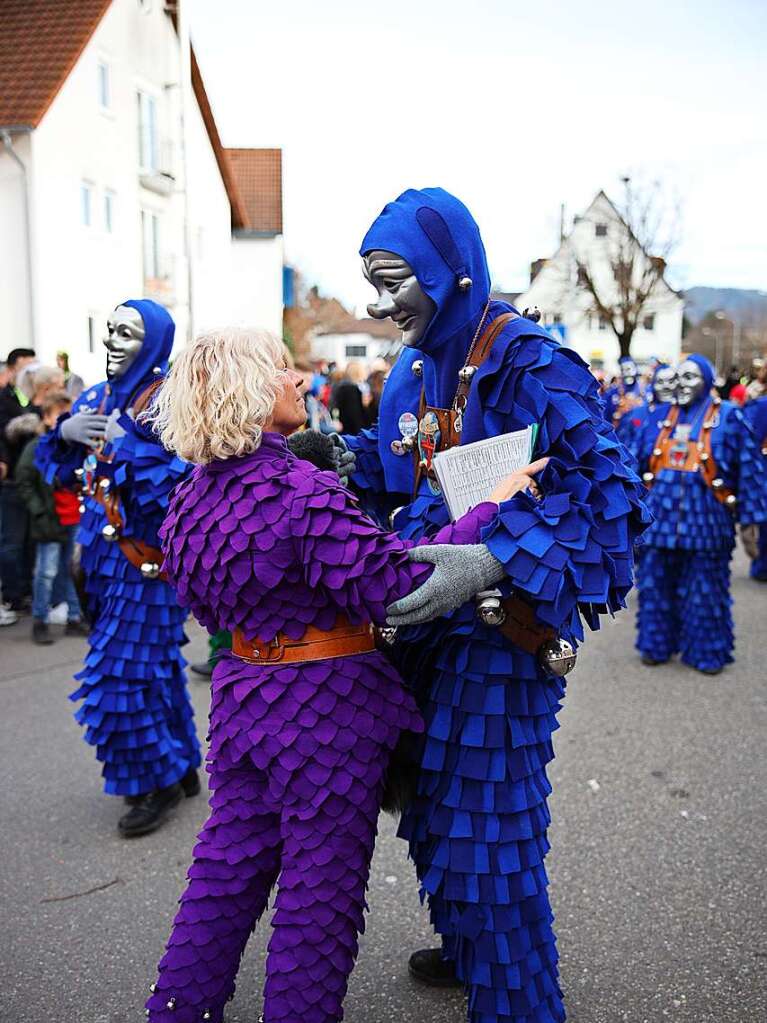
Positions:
{"x": 650, "y": 411}
{"x": 684, "y": 573}
{"x": 621, "y": 400}
{"x": 755, "y": 414}
{"x": 477, "y": 826}
{"x": 136, "y": 707}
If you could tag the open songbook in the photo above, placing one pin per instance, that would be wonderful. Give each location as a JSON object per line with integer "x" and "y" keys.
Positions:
{"x": 469, "y": 473}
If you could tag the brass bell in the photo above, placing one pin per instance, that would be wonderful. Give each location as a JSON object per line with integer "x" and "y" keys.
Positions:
{"x": 666, "y": 424}
{"x": 110, "y": 533}
{"x": 417, "y": 368}
{"x": 81, "y": 509}
{"x": 648, "y": 477}
{"x": 657, "y": 452}
{"x": 717, "y": 484}
{"x": 466, "y": 374}
{"x": 703, "y": 456}
{"x": 79, "y": 473}
{"x": 104, "y": 483}
{"x": 150, "y": 569}
{"x": 464, "y": 283}
{"x": 557, "y": 657}
{"x": 489, "y": 609}
{"x": 731, "y": 500}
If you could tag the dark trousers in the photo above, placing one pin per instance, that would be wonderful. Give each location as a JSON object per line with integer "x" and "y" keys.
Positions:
{"x": 16, "y": 548}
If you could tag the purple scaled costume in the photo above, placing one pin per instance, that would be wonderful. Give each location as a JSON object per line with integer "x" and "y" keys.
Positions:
{"x": 298, "y": 753}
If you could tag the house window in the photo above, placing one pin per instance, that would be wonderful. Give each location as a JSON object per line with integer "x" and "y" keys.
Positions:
{"x": 648, "y": 322}
{"x": 86, "y": 196}
{"x": 147, "y": 133}
{"x": 109, "y": 211}
{"x": 91, "y": 335}
{"x": 104, "y": 85}
{"x": 583, "y": 277}
{"x": 602, "y": 323}
{"x": 356, "y": 351}
{"x": 600, "y": 230}
{"x": 150, "y": 244}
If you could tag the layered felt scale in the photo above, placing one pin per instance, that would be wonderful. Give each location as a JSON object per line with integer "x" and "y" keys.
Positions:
{"x": 477, "y": 828}
{"x": 298, "y": 752}
{"x": 135, "y": 706}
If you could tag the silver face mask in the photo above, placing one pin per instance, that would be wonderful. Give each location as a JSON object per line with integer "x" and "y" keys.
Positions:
{"x": 628, "y": 372}
{"x": 691, "y": 383}
{"x": 400, "y": 296}
{"x": 125, "y": 336}
{"x": 664, "y": 385}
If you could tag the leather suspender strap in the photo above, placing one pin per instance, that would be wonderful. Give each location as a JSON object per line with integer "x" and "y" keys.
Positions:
{"x": 697, "y": 458}
{"x": 144, "y": 399}
{"x": 450, "y": 436}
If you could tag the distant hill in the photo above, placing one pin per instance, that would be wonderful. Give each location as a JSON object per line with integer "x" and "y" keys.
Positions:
{"x": 747, "y": 307}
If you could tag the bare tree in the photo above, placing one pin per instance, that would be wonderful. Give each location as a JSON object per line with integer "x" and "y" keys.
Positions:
{"x": 644, "y": 231}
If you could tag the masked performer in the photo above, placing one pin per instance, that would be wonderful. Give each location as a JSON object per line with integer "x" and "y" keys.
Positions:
{"x": 626, "y": 396}
{"x": 658, "y": 396}
{"x": 705, "y": 472}
{"x": 304, "y": 710}
{"x": 755, "y": 537}
{"x": 135, "y": 708}
{"x": 471, "y": 369}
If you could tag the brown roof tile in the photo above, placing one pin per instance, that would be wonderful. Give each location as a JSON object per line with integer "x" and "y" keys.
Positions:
{"x": 258, "y": 175}
{"x": 40, "y": 43}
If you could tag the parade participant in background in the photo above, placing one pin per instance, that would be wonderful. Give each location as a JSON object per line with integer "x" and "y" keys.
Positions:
{"x": 135, "y": 708}
{"x": 705, "y": 473}
{"x": 72, "y": 382}
{"x": 304, "y": 710}
{"x": 489, "y": 691}
{"x": 755, "y": 413}
{"x": 658, "y": 396}
{"x": 15, "y": 550}
{"x": 54, "y": 516}
{"x": 625, "y": 396}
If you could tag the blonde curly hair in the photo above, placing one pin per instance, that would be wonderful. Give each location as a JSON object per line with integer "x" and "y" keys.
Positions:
{"x": 219, "y": 394}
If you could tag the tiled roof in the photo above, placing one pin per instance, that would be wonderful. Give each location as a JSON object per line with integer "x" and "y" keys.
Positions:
{"x": 40, "y": 42}
{"x": 258, "y": 176}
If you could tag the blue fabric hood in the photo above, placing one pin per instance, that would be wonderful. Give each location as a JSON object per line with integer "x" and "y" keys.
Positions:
{"x": 155, "y": 352}
{"x": 435, "y": 233}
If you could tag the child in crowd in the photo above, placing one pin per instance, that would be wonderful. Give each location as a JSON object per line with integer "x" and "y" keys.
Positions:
{"x": 54, "y": 518}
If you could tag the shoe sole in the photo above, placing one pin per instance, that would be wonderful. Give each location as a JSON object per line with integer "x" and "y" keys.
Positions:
{"x": 429, "y": 981}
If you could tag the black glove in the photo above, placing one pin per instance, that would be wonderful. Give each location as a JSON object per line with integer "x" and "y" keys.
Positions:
{"x": 323, "y": 451}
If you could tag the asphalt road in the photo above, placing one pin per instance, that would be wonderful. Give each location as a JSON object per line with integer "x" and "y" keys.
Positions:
{"x": 658, "y": 865}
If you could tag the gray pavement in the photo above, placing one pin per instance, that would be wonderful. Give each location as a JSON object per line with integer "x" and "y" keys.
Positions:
{"x": 658, "y": 864}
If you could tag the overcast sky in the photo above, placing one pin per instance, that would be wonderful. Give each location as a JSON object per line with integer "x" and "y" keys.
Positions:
{"x": 515, "y": 107}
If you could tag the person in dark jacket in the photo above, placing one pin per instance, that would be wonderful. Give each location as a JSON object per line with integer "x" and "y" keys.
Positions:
{"x": 15, "y": 556}
{"x": 54, "y": 518}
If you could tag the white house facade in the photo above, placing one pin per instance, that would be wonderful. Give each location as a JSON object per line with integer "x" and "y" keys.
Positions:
{"x": 567, "y": 309}
{"x": 114, "y": 184}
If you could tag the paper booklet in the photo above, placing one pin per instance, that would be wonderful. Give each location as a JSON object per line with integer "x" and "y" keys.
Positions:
{"x": 468, "y": 474}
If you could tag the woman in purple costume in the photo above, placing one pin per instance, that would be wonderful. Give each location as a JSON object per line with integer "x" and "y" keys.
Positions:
{"x": 262, "y": 544}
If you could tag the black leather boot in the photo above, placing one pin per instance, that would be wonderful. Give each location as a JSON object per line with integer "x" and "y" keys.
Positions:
{"x": 41, "y": 633}
{"x": 190, "y": 783}
{"x": 150, "y": 812}
{"x": 428, "y": 966}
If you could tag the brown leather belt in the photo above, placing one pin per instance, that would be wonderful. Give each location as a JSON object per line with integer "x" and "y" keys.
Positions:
{"x": 522, "y": 627}
{"x": 343, "y": 640}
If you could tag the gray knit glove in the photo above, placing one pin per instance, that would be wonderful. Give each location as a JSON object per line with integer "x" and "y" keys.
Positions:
{"x": 87, "y": 428}
{"x": 461, "y": 571}
{"x": 323, "y": 451}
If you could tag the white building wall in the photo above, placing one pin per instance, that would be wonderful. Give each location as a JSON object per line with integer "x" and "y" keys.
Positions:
{"x": 256, "y": 282}
{"x": 554, "y": 292}
{"x": 14, "y": 284}
{"x": 343, "y": 348}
